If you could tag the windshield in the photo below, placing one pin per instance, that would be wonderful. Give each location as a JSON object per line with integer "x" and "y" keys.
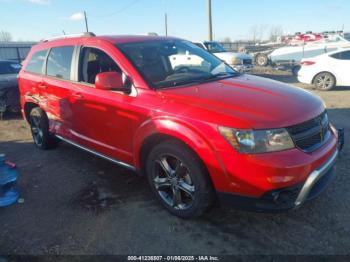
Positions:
{"x": 7, "y": 67}
{"x": 214, "y": 47}
{"x": 169, "y": 63}
{"x": 347, "y": 36}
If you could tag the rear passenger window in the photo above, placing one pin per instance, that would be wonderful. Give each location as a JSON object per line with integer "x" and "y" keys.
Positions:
{"x": 59, "y": 62}
{"x": 35, "y": 64}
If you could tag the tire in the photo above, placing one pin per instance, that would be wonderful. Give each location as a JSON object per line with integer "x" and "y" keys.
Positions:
{"x": 295, "y": 70}
{"x": 261, "y": 59}
{"x": 179, "y": 179}
{"x": 324, "y": 81}
{"x": 39, "y": 126}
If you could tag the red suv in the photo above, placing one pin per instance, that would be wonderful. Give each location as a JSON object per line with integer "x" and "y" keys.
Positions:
{"x": 196, "y": 128}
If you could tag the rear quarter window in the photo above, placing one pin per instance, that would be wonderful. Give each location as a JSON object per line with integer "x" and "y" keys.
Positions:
{"x": 342, "y": 55}
{"x": 59, "y": 62}
{"x": 36, "y": 62}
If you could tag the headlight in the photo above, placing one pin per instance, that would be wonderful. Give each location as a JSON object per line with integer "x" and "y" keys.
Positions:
{"x": 236, "y": 61}
{"x": 257, "y": 141}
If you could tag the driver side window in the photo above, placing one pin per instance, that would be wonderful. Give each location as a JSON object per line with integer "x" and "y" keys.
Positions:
{"x": 94, "y": 61}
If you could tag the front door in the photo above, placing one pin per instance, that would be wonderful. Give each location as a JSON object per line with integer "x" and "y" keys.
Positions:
{"x": 104, "y": 120}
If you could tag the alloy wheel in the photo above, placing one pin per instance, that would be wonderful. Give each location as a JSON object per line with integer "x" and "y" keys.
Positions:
{"x": 36, "y": 129}
{"x": 324, "y": 81}
{"x": 173, "y": 182}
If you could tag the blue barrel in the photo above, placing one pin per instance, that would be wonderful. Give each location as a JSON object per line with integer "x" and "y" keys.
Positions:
{"x": 8, "y": 177}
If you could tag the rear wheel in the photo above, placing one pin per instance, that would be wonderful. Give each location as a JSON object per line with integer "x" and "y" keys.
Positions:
{"x": 295, "y": 70}
{"x": 324, "y": 81}
{"x": 179, "y": 180}
{"x": 39, "y": 125}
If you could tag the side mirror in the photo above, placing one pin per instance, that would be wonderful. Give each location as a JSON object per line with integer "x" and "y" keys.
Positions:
{"x": 111, "y": 81}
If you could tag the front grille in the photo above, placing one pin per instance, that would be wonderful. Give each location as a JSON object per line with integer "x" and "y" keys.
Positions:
{"x": 312, "y": 134}
{"x": 247, "y": 61}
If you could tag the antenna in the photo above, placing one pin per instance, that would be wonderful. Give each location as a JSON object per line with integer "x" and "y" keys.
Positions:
{"x": 166, "y": 24}
{"x": 86, "y": 23}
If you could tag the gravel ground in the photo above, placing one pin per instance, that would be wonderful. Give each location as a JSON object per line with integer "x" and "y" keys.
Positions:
{"x": 75, "y": 203}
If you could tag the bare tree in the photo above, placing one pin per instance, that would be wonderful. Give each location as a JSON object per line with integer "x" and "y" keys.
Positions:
{"x": 262, "y": 30}
{"x": 254, "y": 33}
{"x": 275, "y": 33}
{"x": 5, "y": 36}
{"x": 257, "y": 33}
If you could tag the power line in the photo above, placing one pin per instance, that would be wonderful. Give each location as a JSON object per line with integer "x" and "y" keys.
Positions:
{"x": 118, "y": 11}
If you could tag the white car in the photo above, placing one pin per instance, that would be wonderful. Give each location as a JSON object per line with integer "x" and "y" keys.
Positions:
{"x": 241, "y": 62}
{"x": 326, "y": 71}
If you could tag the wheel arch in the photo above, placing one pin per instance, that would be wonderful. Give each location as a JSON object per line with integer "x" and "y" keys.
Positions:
{"x": 156, "y": 131}
{"x": 28, "y": 107}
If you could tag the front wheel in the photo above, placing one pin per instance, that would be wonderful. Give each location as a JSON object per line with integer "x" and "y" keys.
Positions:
{"x": 324, "y": 81}
{"x": 262, "y": 59}
{"x": 179, "y": 180}
{"x": 39, "y": 125}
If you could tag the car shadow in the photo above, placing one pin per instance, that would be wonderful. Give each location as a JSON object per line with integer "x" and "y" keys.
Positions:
{"x": 11, "y": 116}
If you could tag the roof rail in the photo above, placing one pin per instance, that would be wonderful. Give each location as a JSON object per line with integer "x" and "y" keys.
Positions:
{"x": 87, "y": 34}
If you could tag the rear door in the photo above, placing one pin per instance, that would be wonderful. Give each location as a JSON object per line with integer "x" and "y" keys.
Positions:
{"x": 55, "y": 89}
{"x": 31, "y": 77}
{"x": 340, "y": 64}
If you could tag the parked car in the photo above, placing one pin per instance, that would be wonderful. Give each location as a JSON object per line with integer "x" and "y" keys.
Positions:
{"x": 197, "y": 133}
{"x": 9, "y": 93}
{"x": 326, "y": 71}
{"x": 240, "y": 61}
{"x": 291, "y": 56}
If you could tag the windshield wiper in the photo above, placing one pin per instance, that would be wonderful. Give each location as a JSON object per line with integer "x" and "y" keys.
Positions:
{"x": 178, "y": 83}
{"x": 220, "y": 75}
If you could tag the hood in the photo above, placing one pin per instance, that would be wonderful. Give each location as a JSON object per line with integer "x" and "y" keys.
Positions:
{"x": 8, "y": 80}
{"x": 230, "y": 55}
{"x": 245, "y": 101}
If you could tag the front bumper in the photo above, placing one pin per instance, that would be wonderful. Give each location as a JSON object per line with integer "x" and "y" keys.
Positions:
{"x": 286, "y": 198}
{"x": 242, "y": 68}
{"x": 290, "y": 197}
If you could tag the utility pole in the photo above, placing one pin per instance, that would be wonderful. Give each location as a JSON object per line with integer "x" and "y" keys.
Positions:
{"x": 210, "y": 28}
{"x": 166, "y": 24}
{"x": 86, "y": 23}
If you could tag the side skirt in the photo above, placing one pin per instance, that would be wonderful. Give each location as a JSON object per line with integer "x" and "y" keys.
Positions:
{"x": 97, "y": 154}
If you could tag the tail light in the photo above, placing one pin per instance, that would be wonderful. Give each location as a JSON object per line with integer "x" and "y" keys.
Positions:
{"x": 307, "y": 63}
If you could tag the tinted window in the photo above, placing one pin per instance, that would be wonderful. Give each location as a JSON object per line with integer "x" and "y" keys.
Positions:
{"x": 94, "y": 61}
{"x": 60, "y": 61}
{"x": 342, "y": 55}
{"x": 9, "y": 68}
{"x": 36, "y": 63}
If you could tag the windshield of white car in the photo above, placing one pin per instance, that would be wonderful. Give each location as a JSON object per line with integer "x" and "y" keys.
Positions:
{"x": 8, "y": 67}
{"x": 347, "y": 36}
{"x": 214, "y": 47}
{"x": 171, "y": 63}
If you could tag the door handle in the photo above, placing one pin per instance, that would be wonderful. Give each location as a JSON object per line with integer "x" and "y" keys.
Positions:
{"x": 42, "y": 86}
{"x": 78, "y": 96}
